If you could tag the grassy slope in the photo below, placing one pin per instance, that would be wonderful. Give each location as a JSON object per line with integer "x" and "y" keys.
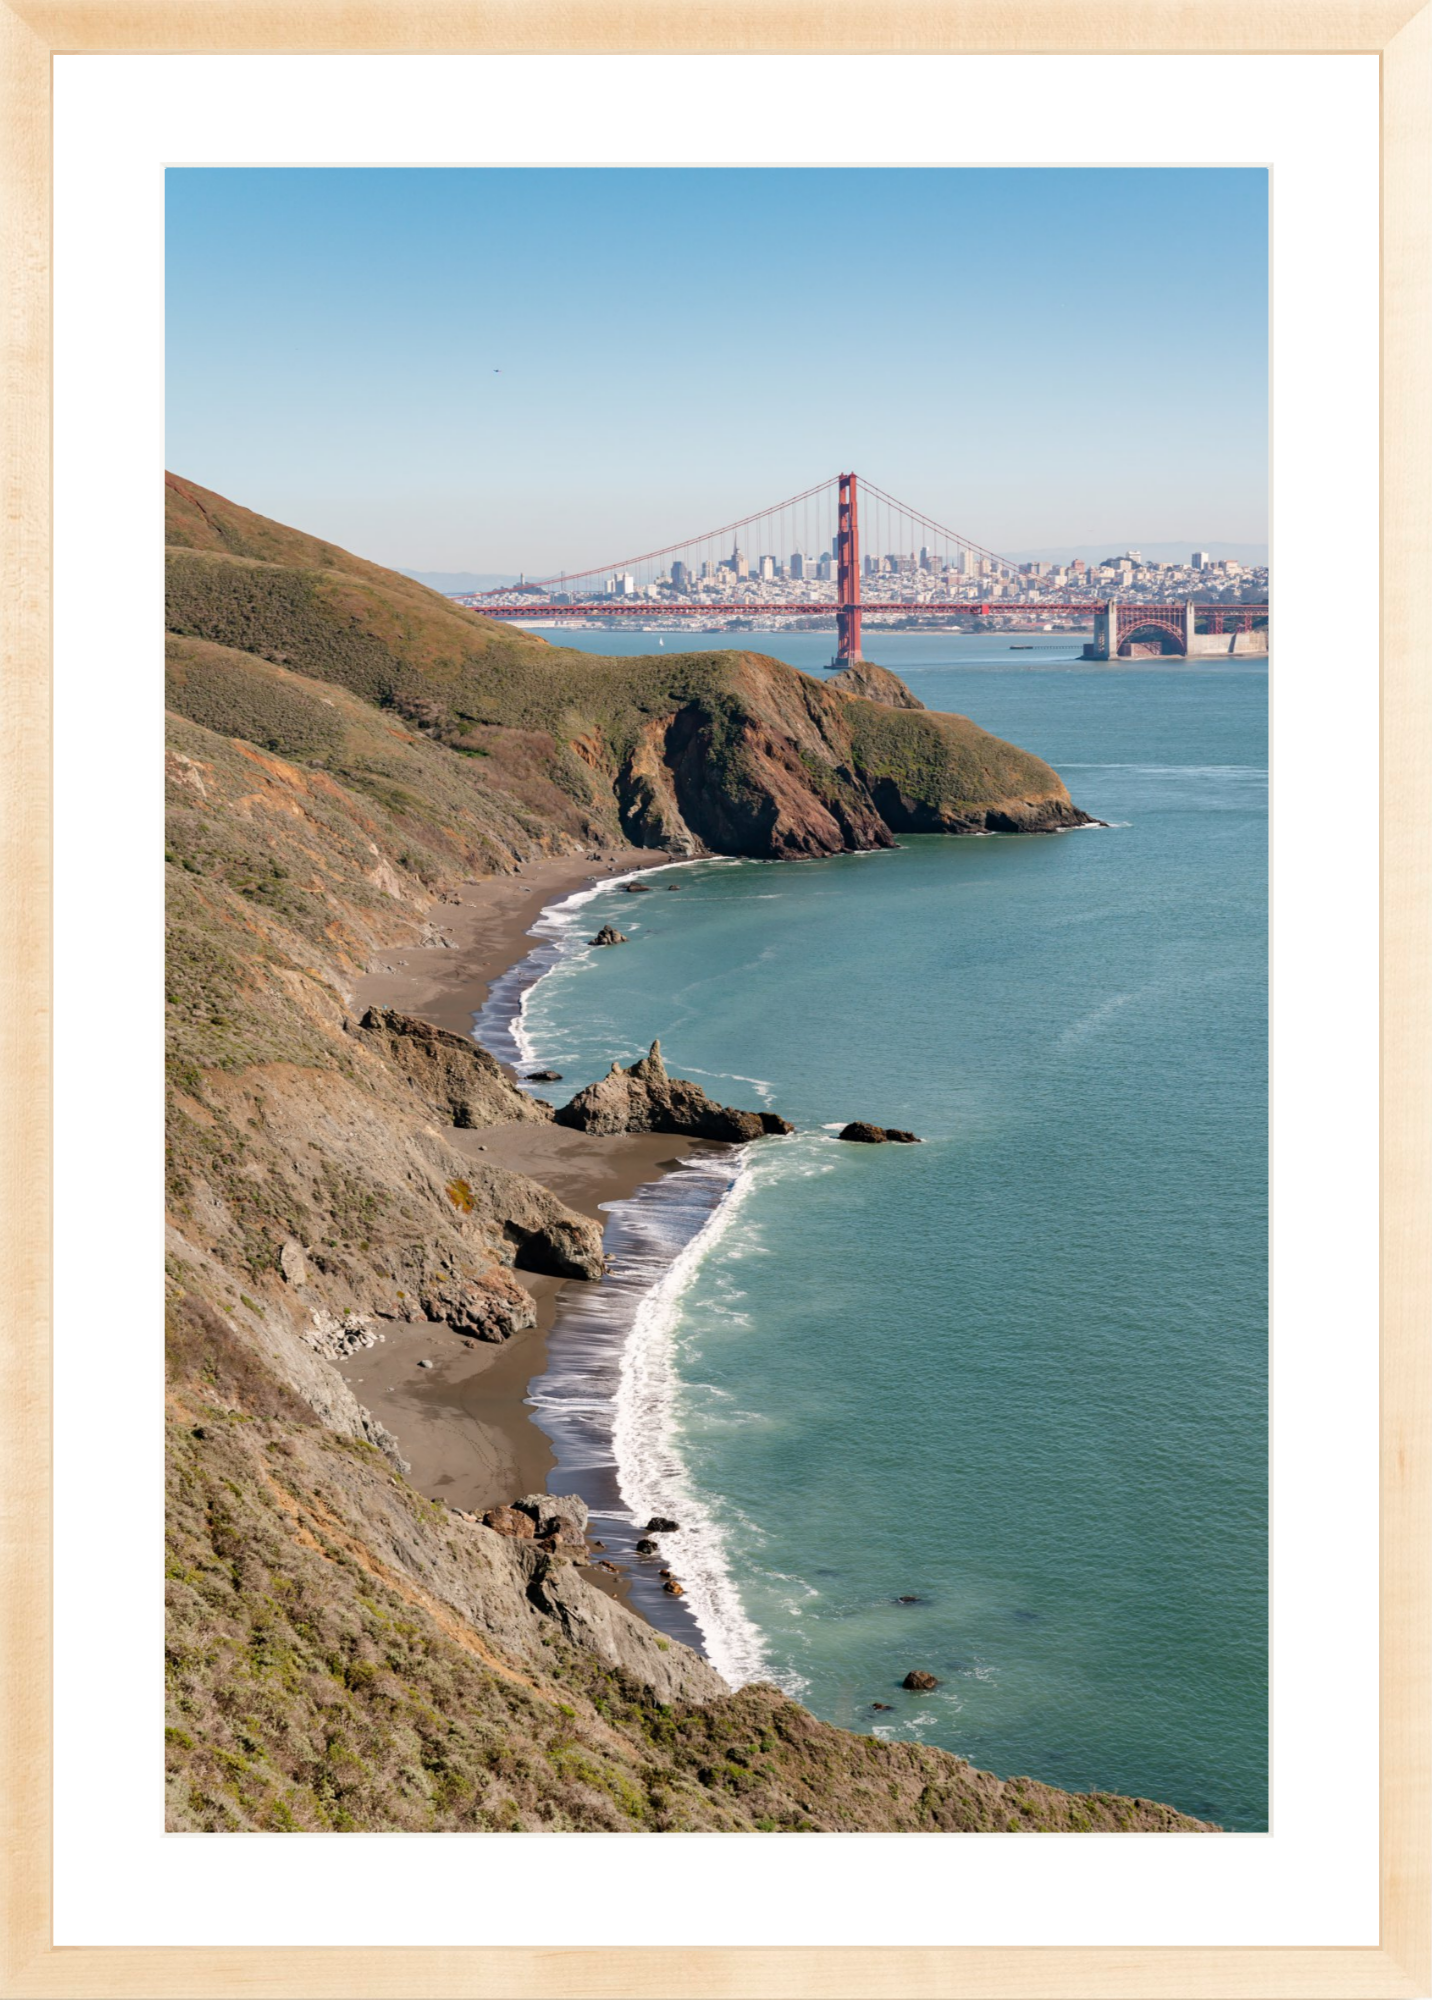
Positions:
{"x": 326, "y": 1671}
{"x": 342, "y": 1653}
{"x": 774, "y": 760}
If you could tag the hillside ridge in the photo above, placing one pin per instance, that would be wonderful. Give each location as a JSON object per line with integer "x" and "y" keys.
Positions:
{"x": 343, "y": 1653}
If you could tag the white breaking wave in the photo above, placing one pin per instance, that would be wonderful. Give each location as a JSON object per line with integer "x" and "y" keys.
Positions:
{"x": 650, "y": 1471}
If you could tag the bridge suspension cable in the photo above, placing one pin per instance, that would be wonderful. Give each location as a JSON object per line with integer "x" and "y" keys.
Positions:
{"x": 572, "y": 577}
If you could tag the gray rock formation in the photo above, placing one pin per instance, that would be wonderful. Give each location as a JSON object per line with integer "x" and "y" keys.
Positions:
{"x": 588, "y": 1617}
{"x": 645, "y": 1099}
{"x": 878, "y": 1135}
{"x": 457, "y": 1077}
{"x": 609, "y": 934}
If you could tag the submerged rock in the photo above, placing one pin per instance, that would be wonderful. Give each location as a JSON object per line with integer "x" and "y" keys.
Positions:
{"x": 878, "y": 1135}
{"x": 659, "y": 1525}
{"x": 645, "y": 1099}
{"x": 637, "y": 888}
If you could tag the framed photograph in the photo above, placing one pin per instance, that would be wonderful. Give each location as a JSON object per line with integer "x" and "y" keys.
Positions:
{"x": 722, "y": 1116}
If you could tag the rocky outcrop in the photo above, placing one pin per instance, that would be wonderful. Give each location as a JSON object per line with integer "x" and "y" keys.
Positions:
{"x": 451, "y": 1072}
{"x": 510, "y": 1521}
{"x": 932, "y": 773}
{"x": 589, "y": 1618}
{"x": 872, "y": 683}
{"x": 609, "y": 934}
{"x": 544, "y": 1233}
{"x": 493, "y": 1308}
{"x": 559, "y": 1521}
{"x": 919, "y": 1682}
{"x": 645, "y": 1099}
{"x": 877, "y": 1135}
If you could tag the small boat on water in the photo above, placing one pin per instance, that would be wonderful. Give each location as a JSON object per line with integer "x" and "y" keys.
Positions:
{"x": 1021, "y": 649}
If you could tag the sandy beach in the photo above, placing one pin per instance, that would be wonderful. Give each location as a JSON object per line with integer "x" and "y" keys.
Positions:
{"x": 463, "y": 1423}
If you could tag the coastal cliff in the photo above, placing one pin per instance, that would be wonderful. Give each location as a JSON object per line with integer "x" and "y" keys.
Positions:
{"x": 726, "y": 752}
{"x": 345, "y": 749}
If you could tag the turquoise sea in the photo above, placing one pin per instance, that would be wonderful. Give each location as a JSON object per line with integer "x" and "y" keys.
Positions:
{"x": 993, "y": 1406}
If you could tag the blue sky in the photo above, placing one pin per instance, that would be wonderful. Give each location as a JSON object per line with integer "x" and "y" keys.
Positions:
{"x": 540, "y": 369}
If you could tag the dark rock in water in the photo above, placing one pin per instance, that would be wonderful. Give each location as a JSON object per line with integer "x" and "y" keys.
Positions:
{"x": 509, "y": 1521}
{"x": 909, "y": 1600}
{"x": 637, "y": 888}
{"x": 608, "y": 935}
{"x": 645, "y": 1099}
{"x": 646, "y": 1547}
{"x": 674, "y": 885}
{"x": 919, "y": 1682}
{"x": 673, "y": 1588}
{"x": 876, "y": 1135}
{"x": 659, "y": 1525}
{"x": 544, "y": 1076}
{"x": 882, "y": 1705}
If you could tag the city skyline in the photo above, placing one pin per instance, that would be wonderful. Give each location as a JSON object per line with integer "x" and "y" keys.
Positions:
{"x": 496, "y": 370}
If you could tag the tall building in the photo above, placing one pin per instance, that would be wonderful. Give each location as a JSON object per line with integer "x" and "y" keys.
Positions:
{"x": 768, "y": 568}
{"x": 825, "y": 569}
{"x": 621, "y": 586}
{"x": 798, "y": 563}
{"x": 1200, "y": 559}
{"x": 969, "y": 563}
{"x": 738, "y": 564}
{"x": 680, "y": 576}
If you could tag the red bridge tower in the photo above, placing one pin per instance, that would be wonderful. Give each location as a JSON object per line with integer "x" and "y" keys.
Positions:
{"x": 847, "y": 570}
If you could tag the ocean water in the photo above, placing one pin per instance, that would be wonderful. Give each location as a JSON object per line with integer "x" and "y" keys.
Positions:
{"x": 993, "y": 1406}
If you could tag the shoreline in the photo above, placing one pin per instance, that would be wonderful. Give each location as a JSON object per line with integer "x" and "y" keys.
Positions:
{"x": 464, "y": 1423}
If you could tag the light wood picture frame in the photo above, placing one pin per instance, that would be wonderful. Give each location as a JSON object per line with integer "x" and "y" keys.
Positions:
{"x": 1399, "y": 32}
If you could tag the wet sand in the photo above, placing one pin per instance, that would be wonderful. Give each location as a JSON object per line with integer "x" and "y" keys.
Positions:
{"x": 463, "y": 1423}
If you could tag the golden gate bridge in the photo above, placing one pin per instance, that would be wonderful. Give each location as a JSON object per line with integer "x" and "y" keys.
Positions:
{"x": 803, "y": 559}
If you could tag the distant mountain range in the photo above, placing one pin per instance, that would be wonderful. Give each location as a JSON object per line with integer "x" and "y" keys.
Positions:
{"x": 1253, "y": 553}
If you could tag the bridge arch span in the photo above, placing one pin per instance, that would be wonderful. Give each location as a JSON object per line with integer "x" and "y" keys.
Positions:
{"x": 1150, "y": 629}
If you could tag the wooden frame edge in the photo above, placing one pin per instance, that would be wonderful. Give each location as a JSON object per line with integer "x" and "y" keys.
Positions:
{"x": 30, "y": 32}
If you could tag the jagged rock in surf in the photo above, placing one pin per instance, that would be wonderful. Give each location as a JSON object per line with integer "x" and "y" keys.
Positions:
{"x": 608, "y": 934}
{"x": 645, "y": 1099}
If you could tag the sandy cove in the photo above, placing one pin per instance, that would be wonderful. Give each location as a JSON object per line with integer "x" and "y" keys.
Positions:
{"x": 464, "y": 1424}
